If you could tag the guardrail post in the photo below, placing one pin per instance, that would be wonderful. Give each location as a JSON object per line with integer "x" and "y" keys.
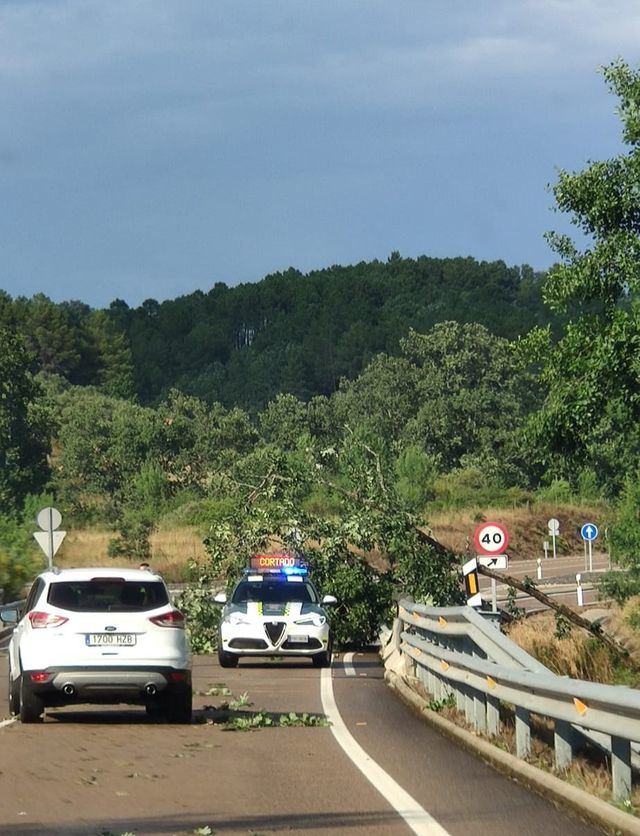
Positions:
{"x": 493, "y": 716}
{"x": 437, "y": 687}
{"x": 468, "y": 704}
{"x": 523, "y": 733}
{"x": 431, "y": 682}
{"x": 460, "y": 700}
{"x": 479, "y": 711}
{"x": 398, "y": 627}
{"x": 621, "y": 768}
{"x": 564, "y": 741}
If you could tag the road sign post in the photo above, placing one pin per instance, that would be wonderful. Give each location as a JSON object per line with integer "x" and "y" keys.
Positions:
{"x": 49, "y": 538}
{"x": 589, "y": 533}
{"x": 554, "y": 529}
{"x": 499, "y": 561}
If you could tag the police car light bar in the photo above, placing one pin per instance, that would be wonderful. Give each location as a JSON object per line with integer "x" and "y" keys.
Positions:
{"x": 283, "y": 563}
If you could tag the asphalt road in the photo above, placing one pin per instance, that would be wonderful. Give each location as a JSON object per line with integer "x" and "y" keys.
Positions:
{"x": 96, "y": 771}
{"x": 558, "y": 580}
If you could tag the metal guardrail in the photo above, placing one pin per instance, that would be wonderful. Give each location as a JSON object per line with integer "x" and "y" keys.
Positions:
{"x": 456, "y": 653}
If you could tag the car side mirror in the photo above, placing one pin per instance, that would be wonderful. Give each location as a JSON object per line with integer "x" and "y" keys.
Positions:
{"x": 329, "y": 600}
{"x": 220, "y": 598}
{"x": 9, "y": 616}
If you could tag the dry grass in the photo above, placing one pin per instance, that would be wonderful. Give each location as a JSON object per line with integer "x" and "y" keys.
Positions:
{"x": 625, "y": 623}
{"x": 527, "y": 526}
{"x": 171, "y": 550}
{"x": 577, "y": 654}
{"x": 580, "y": 655}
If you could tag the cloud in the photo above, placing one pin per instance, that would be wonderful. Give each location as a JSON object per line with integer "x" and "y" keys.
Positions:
{"x": 342, "y": 50}
{"x": 165, "y": 134}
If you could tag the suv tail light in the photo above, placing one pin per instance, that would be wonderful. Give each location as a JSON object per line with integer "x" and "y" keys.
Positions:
{"x": 45, "y": 619}
{"x": 173, "y": 618}
{"x": 39, "y": 676}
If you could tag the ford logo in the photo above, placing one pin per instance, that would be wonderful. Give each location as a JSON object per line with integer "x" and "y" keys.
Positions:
{"x": 110, "y": 627}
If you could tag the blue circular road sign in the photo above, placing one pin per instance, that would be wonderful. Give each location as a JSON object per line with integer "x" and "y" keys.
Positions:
{"x": 589, "y": 531}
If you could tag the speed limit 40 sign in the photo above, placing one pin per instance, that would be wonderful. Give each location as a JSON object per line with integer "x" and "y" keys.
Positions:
{"x": 491, "y": 538}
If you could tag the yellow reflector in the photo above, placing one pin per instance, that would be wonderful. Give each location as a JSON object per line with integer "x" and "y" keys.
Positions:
{"x": 473, "y": 586}
{"x": 491, "y": 682}
{"x": 444, "y": 665}
{"x": 442, "y": 621}
{"x": 581, "y": 708}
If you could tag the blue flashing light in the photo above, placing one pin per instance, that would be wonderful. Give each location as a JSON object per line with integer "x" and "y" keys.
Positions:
{"x": 296, "y": 570}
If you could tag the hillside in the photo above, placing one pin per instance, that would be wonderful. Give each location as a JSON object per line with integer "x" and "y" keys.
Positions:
{"x": 290, "y": 332}
{"x": 527, "y": 527}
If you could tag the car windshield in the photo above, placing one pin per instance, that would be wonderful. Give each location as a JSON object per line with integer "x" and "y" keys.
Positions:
{"x": 274, "y": 592}
{"x": 108, "y": 595}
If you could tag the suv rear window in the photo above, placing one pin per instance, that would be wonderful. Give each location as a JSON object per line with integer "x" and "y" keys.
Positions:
{"x": 108, "y": 595}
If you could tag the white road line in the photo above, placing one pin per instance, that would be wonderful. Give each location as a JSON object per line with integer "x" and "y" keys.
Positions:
{"x": 415, "y": 816}
{"x": 348, "y": 664}
{"x": 7, "y": 722}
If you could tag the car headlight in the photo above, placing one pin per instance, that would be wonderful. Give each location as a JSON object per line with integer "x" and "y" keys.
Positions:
{"x": 237, "y": 618}
{"x": 315, "y": 620}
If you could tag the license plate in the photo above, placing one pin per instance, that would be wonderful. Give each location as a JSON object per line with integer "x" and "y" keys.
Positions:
{"x": 298, "y": 639}
{"x": 110, "y": 639}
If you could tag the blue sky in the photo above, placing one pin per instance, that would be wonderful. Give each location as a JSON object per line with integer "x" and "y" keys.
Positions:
{"x": 149, "y": 148}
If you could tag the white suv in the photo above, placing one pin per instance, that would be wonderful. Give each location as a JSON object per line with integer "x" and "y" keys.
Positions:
{"x": 99, "y": 636}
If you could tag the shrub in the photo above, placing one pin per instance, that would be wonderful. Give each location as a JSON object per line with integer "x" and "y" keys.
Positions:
{"x": 203, "y": 616}
{"x": 624, "y": 537}
{"x": 470, "y": 487}
{"x": 415, "y": 476}
{"x": 198, "y": 512}
{"x": 20, "y": 559}
{"x": 135, "y": 528}
{"x": 557, "y": 492}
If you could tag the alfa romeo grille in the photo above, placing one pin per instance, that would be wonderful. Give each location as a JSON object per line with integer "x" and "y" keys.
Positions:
{"x": 274, "y": 629}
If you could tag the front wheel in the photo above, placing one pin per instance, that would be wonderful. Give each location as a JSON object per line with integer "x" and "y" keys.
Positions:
{"x": 31, "y": 705}
{"x": 323, "y": 660}
{"x": 14, "y": 696}
{"x": 227, "y": 660}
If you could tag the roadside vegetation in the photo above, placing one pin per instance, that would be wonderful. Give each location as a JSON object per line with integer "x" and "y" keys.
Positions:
{"x": 354, "y": 412}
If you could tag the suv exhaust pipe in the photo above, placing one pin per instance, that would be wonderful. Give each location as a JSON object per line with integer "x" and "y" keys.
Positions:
{"x": 151, "y": 690}
{"x": 69, "y": 689}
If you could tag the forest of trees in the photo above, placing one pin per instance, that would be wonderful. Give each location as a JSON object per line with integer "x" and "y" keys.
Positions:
{"x": 346, "y": 402}
{"x": 293, "y": 333}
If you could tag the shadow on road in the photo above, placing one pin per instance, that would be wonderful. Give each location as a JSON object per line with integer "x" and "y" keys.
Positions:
{"x": 179, "y": 825}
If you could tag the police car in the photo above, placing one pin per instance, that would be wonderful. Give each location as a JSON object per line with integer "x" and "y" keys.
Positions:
{"x": 275, "y": 610}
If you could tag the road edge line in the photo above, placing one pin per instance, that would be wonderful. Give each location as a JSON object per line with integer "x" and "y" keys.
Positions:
{"x": 587, "y": 807}
{"x": 414, "y": 815}
{"x": 348, "y": 665}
